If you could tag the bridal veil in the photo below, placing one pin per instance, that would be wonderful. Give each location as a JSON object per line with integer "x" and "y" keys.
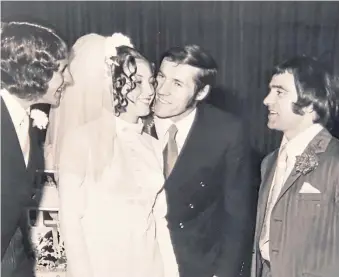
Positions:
{"x": 87, "y": 104}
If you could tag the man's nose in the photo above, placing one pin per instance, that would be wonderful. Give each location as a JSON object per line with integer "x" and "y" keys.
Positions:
{"x": 162, "y": 89}
{"x": 68, "y": 78}
{"x": 269, "y": 99}
{"x": 150, "y": 90}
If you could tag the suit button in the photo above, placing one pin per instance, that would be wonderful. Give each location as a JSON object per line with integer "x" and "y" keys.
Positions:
{"x": 191, "y": 206}
{"x": 242, "y": 268}
{"x": 181, "y": 225}
{"x": 202, "y": 184}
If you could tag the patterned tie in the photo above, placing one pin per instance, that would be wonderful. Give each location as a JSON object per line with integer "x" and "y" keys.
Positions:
{"x": 279, "y": 179}
{"x": 170, "y": 152}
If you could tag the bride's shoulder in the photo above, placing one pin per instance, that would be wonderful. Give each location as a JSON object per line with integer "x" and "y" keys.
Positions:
{"x": 87, "y": 134}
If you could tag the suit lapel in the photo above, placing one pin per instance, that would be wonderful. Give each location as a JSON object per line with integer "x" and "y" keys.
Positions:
{"x": 32, "y": 151}
{"x": 12, "y": 151}
{"x": 10, "y": 141}
{"x": 319, "y": 143}
{"x": 268, "y": 175}
{"x": 195, "y": 138}
{"x": 13, "y": 167}
{"x": 35, "y": 160}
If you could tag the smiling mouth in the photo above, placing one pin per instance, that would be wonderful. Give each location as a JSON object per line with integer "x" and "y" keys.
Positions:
{"x": 61, "y": 89}
{"x": 146, "y": 100}
{"x": 272, "y": 113}
{"x": 161, "y": 100}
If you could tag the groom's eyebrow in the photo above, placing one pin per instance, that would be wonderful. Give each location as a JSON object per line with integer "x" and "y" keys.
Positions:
{"x": 177, "y": 80}
{"x": 277, "y": 87}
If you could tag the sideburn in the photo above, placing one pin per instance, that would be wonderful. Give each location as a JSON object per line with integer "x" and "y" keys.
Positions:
{"x": 192, "y": 103}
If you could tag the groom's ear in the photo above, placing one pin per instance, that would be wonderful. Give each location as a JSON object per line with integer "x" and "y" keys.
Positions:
{"x": 202, "y": 94}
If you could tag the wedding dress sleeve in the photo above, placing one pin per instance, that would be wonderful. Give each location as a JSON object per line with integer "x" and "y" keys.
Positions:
{"x": 71, "y": 177}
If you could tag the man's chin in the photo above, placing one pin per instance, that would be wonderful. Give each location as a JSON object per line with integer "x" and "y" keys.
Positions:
{"x": 55, "y": 104}
{"x": 144, "y": 114}
{"x": 273, "y": 126}
{"x": 270, "y": 126}
{"x": 161, "y": 114}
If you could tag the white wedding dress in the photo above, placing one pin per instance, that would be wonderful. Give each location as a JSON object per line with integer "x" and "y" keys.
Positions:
{"x": 116, "y": 226}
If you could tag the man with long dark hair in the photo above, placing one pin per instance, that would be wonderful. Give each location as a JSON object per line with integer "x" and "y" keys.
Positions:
{"x": 297, "y": 227}
{"x": 33, "y": 70}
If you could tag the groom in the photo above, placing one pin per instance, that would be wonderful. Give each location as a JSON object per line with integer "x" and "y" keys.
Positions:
{"x": 297, "y": 232}
{"x": 209, "y": 185}
{"x": 33, "y": 70}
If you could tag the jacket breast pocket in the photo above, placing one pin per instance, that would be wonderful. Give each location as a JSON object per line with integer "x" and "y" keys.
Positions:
{"x": 309, "y": 205}
{"x": 310, "y": 197}
{"x": 309, "y": 275}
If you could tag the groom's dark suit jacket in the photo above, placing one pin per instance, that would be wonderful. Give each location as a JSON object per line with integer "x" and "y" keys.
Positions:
{"x": 16, "y": 192}
{"x": 211, "y": 195}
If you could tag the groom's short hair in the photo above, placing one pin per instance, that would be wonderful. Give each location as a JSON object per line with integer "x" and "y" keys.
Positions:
{"x": 29, "y": 57}
{"x": 195, "y": 56}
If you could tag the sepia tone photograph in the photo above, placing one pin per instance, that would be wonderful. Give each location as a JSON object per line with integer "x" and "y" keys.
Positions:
{"x": 169, "y": 138}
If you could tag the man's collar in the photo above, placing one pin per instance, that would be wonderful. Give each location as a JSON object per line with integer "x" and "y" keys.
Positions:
{"x": 298, "y": 144}
{"x": 162, "y": 124}
{"x": 187, "y": 121}
{"x": 17, "y": 112}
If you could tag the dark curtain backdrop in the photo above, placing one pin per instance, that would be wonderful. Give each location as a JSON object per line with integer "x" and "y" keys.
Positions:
{"x": 246, "y": 39}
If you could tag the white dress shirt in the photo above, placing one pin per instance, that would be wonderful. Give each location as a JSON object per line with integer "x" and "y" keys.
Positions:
{"x": 298, "y": 144}
{"x": 294, "y": 148}
{"x": 184, "y": 126}
{"x": 20, "y": 119}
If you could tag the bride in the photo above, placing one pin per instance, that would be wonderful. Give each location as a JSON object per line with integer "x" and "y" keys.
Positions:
{"x": 111, "y": 219}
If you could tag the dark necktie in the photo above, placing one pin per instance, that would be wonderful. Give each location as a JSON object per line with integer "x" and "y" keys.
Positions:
{"x": 170, "y": 152}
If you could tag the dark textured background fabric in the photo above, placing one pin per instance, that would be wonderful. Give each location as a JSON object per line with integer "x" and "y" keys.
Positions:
{"x": 246, "y": 38}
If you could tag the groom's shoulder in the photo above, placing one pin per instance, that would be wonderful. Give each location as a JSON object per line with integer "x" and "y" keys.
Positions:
{"x": 221, "y": 119}
{"x": 268, "y": 158}
{"x": 213, "y": 112}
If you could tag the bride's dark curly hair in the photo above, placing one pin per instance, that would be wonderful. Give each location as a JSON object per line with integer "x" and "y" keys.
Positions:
{"x": 124, "y": 74}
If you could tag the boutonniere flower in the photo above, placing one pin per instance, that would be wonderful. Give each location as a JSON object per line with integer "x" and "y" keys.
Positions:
{"x": 307, "y": 162}
{"x": 40, "y": 119}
